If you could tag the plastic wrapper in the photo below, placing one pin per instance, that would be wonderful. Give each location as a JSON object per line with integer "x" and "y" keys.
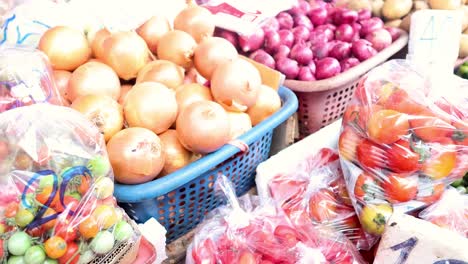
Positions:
{"x": 403, "y": 141}
{"x": 57, "y": 184}
{"x": 25, "y": 79}
{"x": 450, "y": 212}
{"x": 246, "y": 232}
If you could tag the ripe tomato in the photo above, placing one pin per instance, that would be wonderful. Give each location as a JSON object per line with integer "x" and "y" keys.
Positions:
{"x": 374, "y": 217}
{"x": 430, "y": 128}
{"x": 71, "y": 256}
{"x": 65, "y": 230}
{"x": 387, "y": 126}
{"x": 359, "y": 115}
{"x": 400, "y": 188}
{"x": 205, "y": 252}
{"x": 36, "y": 231}
{"x": 83, "y": 188}
{"x": 348, "y": 142}
{"x": 11, "y": 209}
{"x": 401, "y": 158}
{"x": 70, "y": 202}
{"x": 323, "y": 206}
{"x": 105, "y": 216}
{"x": 367, "y": 188}
{"x": 370, "y": 155}
{"x": 286, "y": 235}
{"x": 88, "y": 227}
{"x": 339, "y": 188}
{"x": 430, "y": 192}
{"x": 247, "y": 257}
{"x": 49, "y": 225}
{"x": 55, "y": 247}
{"x": 400, "y": 101}
{"x": 43, "y": 195}
{"x": 441, "y": 163}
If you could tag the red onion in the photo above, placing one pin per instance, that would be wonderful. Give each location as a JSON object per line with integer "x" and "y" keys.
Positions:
{"x": 317, "y": 4}
{"x": 312, "y": 67}
{"x": 394, "y": 32}
{"x": 318, "y": 37}
{"x": 283, "y": 51}
{"x": 229, "y": 36}
{"x": 305, "y": 74}
{"x": 285, "y": 20}
{"x": 301, "y": 53}
{"x": 252, "y": 42}
{"x": 288, "y": 67}
{"x": 370, "y": 25}
{"x": 348, "y": 63}
{"x": 321, "y": 50}
{"x": 329, "y": 33}
{"x": 301, "y": 34}
{"x": 357, "y": 30}
{"x": 363, "y": 50}
{"x": 263, "y": 57}
{"x": 286, "y": 37}
{"x": 344, "y": 32}
{"x": 364, "y": 14}
{"x": 271, "y": 25}
{"x": 345, "y": 16}
{"x": 272, "y": 41}
{"x": 318, "y": 16}
{"x": 341, "y": 50}
{"x": 303, "y": 20}
{"x": 380, "y": 39}
{"x": 327, "y": 67}
{"x": 300, "y": 8}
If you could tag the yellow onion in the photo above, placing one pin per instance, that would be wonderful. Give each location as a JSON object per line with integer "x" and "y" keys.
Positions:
{"x": 193, "y": 76}
{"x": 267, "y": 104}
{"x": 97, "y": 43}
{"x": 136, "y": 155}
{"x": 124, "y": 89}
{"x": 162, "y": 71}
{"x": 235, "y": 85}
{"x": 176, "y": 155}
{"x": 178, "y": 47}
{"x": 152, "y": 30}
{"x": 151, "y": 105}
{"x": 203, "y": 127}
{"x": 240, "y": 123}
{"x": 93, "y": 78}
{"x": 102, "y": 111}
{"x": 66, "y": 48}
{"x": 61, "y": 79}
{"x": 197, "y": 21}
{"x": 210, "y": 53}
{"x": 193, "y": 92}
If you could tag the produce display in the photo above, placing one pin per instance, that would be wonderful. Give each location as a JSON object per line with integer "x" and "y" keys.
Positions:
{"x": 56, "y": 204}
{"x": 315, "y": 41}
{"x": 179, "y": 83}
{"x": 401, "y": 145}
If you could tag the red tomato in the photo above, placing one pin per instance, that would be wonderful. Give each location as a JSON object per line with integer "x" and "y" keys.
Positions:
{"x": 400, "y": 188}
{"x": 36, "y": 232}
{"x": 247, "y": 257}
{"x": 371, "y": 155}
{"x": 323, "y": 206}
{"x": 441, "y": 163}
{"x": 65, "y": 229}
{"x": 11, "y": 209}
{"x": 388, "y": 126}
{"x": 431, "y": 129}
{"x": 430, "y": 192}
{"x": 400, "y": 101}
{"x": 367, "y": 187}
{"x": 286, "y": 236}
{"x": 339, "y": 188}
{"x": 401, "y": 158}
{"x": 205, "y": 253}
{"x": 348, "y": 142}
{"x": 71, "y": 256}
{"x": 49, "y": 225}
{"x": 70, "y": 203}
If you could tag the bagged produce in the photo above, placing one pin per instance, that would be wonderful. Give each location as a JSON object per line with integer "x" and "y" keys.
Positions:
{"x": 246, "y": 232}
{"x": 403, "y": 141}
{"x": 57, "y": 185}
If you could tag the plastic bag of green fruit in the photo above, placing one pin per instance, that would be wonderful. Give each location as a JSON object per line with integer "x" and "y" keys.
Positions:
{"x": 56, "y": 186}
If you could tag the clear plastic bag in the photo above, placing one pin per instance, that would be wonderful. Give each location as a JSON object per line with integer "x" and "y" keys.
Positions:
{"x": 246, "y": 232}
{"x": 25, "y": 79}
{"x": 58, "y": 184}
{"x": 402, "y": 142}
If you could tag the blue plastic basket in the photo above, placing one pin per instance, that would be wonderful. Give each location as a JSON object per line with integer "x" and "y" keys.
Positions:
{"x": 179, "y": 201}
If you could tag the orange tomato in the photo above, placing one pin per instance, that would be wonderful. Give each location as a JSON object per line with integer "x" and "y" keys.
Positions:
{"x": 49, "y": 225}
{"x": 43, "y": 195}
{"x": 441, "y": 163}
{"x": 400, "y": 101}
{"x": 11, "y": 209}
{"x": 348, "y": 142}
{"x": 366, "y": 187}
{"x": 430, "y": 128}
{"x": 387, "y": 126}
{"x": 83, "y": 188}
{"x": 323, "y": 206}
{"x": 400, "y": 188}
{"x": 105, "y": 216}
{"x": 55, "y": 247}
{"x": 88, "y": 228}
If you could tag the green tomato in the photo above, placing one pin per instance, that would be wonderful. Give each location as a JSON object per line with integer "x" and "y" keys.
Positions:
{"x": 16, "y": 260}
{"x": 35, "y": 255}
{"x": 86, "y": 257}
{"x": 463, "y": 71}
{"x": 103, "y": 187}
{"x": 103, "y": 242}
{"x": 99, "y": 166}
{"x": 75, "y": 195}
{"x": 123, "y": 231}
{"x": 457, "y": 183}
{"x": 18, "y": 243}
{"x": 23, "y": 217}
{"x": 46, "y": 181}
{"x": 50, "y": 261}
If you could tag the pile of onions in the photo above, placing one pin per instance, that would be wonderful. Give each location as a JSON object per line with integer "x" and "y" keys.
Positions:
{"x": 190, "y": 93}
{"x": 240, "y": 123}
{"x": 151, "y": 105}
{"x": 136, "y": 155}
{"x": 162, "y": 71}
{"x": 97, "y": 42}
{"x": 267, "y": 104}
{"x": 197, "y": 21}
{"x": 66, "y": 48}
{"x": 177, "y": 46}
{"x": 126, "y": 53}
{"x": 152, "y": 30}
{"x": 93, "y": 78}
{"x": 235, "y": 85}
{"x": 61, "y": 79}
{"x": 176, "y": 155}
{"x": 104, "y": 112}
{"x": 212, "y": 52}
{"x": 203, "y": 127}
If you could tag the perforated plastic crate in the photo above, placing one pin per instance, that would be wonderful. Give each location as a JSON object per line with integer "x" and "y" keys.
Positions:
{"x": 180, "y": 201}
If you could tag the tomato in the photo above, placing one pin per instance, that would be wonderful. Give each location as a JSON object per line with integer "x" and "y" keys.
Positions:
{"x": 204, "y": 253}
{"x": 36, "y": 231}
{"x": 367, "y": 188}
{"x": 388, "y": 126}
{"x": 11, "y": 209}
{"x": 400, "y": 188}
{"x": 400, "y": 101}
{"x": 49, "y": 225}
{"x": 102, "y": 243}
{"x": 105, "y": 215}
{"x": 71, "y": 204}
{"x": 2, "y": 253}
{"x": 89, "y": 227}
{"x": 460, "y": 135}
{"x": 339, "y": 187}
{"x": 348, "y": 142}
{"x": 430, "y": 128}
{"x": 247, "y": 257}
{"x": 43, "y": 195}
{"x": 384, "y": 92}
{"x": 359, "y": 115}
{"x": 323, "y": 206}
{"x": 430, "y": 192}
{"x": 72, "y": 254}
{"x": 286, "y": 235}
{"x": 370, "y": 155}
{"x": 18, "y": 243}
{"x": 99, "y": 166}
{"x": 374, "y": 217}
{"x": 35, "y": 255}
{"x": 449, "y": 108}
{"x": 401, "y": 158}
{"x": 23, "y": 217}
{"x": 83, "y": 188}
{"x": 441, "y": 163}
{"x": 55, "y": 247}
{"x": 65, "y": 230}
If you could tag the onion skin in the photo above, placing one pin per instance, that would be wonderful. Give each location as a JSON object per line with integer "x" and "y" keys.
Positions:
{"x": 152, "y": 30}
{"x": 162, "y": 71}
{"x": 97, "y": 44}
{"x": 203, "y": 127}
{"x": 190, "y": 93}
{"x": 102, "y": 111}
{"x": 176, "y": 155}
{"x": 235, "y": 85}
{"x": 196, "y": 21}
{"x": 126, "y": 52}
{"x": 178, "y": 47}
{"x": 124, "y": 89}
{"x": 93, "y": 78}
{"x": 267, "y": 104}
{"x": 151, "y": 105}
{"x": 212, "y": 52}
{"x": 66, "y": 48}
{"x": 136, "y": 155}
{"x": 240, "y": 123}
{"x": 61, "y": 79}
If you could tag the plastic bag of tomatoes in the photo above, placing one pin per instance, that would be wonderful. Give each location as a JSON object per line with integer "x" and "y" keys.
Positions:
{"x": 247, "y": 232}
{"x": 56, "y": 185}
{"x": 402, "y": 142}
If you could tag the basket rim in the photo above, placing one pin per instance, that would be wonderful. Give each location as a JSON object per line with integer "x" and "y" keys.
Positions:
{"x": 353, "y": 73}
{"x": 168, "y": 183}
